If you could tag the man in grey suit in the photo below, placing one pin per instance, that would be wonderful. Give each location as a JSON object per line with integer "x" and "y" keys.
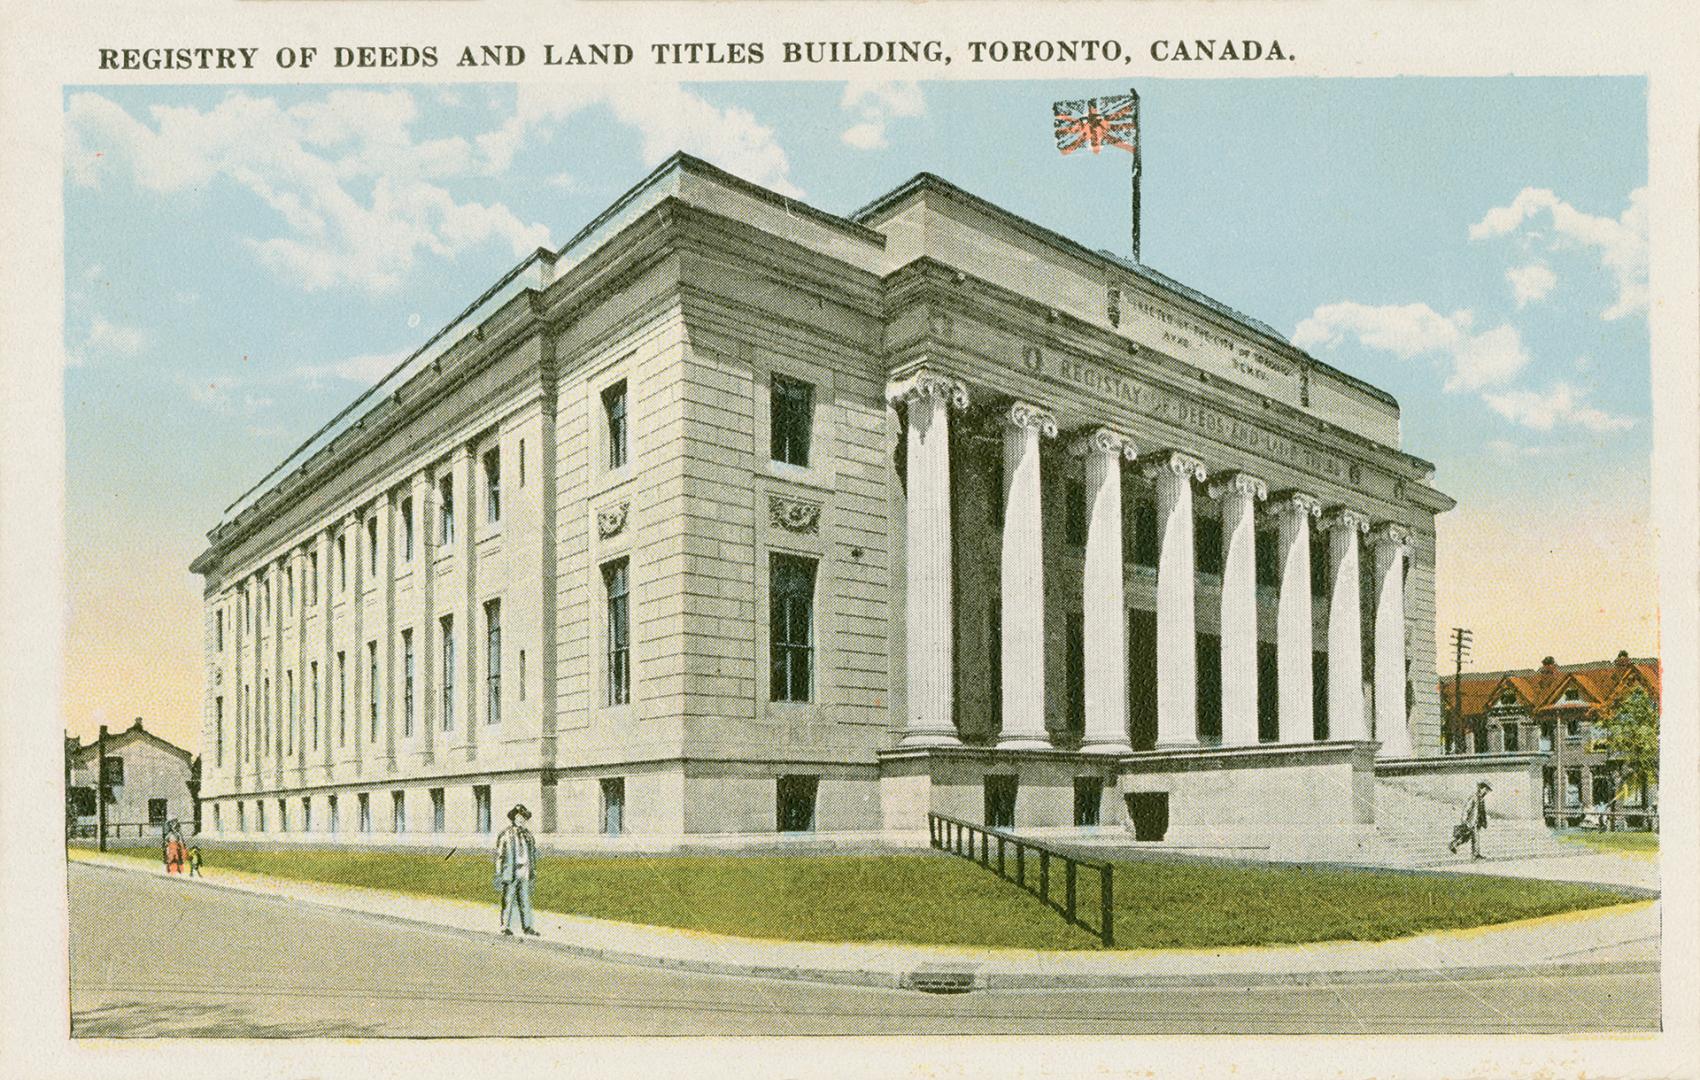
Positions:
{"x": 1475, "y": 820}
{"x": 516, "y": 869}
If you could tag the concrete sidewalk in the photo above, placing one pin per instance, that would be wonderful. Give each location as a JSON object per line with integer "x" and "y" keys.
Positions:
{"x": 1625, "y": 935}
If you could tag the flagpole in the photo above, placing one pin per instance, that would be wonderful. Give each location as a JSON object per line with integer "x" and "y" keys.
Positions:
{"x": 1138, "y": 151}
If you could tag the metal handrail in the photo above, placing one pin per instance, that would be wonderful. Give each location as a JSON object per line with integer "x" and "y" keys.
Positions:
{"x": 115, "y": 829}
{"x": 948, "y": 834}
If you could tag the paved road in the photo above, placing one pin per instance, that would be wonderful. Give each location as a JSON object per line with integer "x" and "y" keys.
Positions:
{"x": 152, "y": 957}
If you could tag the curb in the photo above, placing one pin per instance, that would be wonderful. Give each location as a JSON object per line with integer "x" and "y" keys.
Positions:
{"x": 923, "y": 973}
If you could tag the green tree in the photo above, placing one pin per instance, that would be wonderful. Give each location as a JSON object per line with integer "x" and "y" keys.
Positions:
{"x": 1630, "y": 731}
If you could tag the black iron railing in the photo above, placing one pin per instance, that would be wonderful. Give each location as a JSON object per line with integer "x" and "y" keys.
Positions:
{"x": 1008, "y": 857}
{"x": 118, "y": 830}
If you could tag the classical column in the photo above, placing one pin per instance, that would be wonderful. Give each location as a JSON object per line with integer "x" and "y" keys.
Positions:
{"x": 1177, "y": 641}
{"x": 1345, "y": 626}
{"x": 1022, "y": 582}
{"x": 928, "y": 398}
{"x": 1239, "y": 492}
{"x": 1104, "y": 611}
{"x": 1293, "y": 635}
{"x": 1391, "y": 545}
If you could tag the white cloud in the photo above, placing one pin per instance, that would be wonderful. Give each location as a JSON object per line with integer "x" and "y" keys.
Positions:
{"x": 1531, "y": 283}
{"x": 219, "y": 394}
{"x": 114, "y": 339}
{"x": 1558, "y": 405}
{"x": 668, "y": 118}
{"x": 1505, "y": 448}
{"x": 357, "y": 197}
{"x": 1620, "y": 243}
{"x": 365, "y": 369}
{"x": 876, "y": 103}
{"x": 1475, "y": 360}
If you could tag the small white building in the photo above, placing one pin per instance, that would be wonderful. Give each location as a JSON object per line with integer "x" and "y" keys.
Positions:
{"x": 147, "y": 783}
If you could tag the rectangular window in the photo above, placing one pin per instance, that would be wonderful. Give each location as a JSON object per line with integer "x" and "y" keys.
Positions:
{"x": 306, "y": 813}
{"x": 446, "y": 510}
{"x": 439, "y": 810}
{"x": 218, "y": 732}
{"x": 335, "y": 821}
{"x": 341, "y": 699}
{"x": 447, "y": 631}
{"x": 289, "y": 717}
{"x": 1145, "y": 532}
{"x": 619, "y": 633}
{"x": 289, "y": 584}
{"x": 218, "y": 817}
{"x": 365, "y": 812}
{"x": 493, "y": 485}
{"x": 1088, "y": 800}
{"x": 265, "y": 716}
{"x": 156, "y": 811}
{"x": 1511, "y": 738}
{"x": 1000, "y": 789}
{"x": 1075, "y": 670}
{"x": 791, "y": 415}
{"x": 282, "y": 816}
{"x": 220, "y": 635}
{"x": 613, "y": 805}
{"x": 1074, "y": 520}
{"x": 1207, "y": 544}
{"x": 372, "y": 686}
{"x": 342, "y": 561}
{"x": 407, "y": 682}
{"x": 241, "y": 817}
{"x": 522, "y": 674}
{"x": 1546, "y": 737}
{"x": 614, "y": 410}
{"x": 259, "y": 815}
{"x": 795, "y": 809}
{"x": 493, "y": 662}
{"x": 314, "y": 670}
{"x": 372, "y": 543}
{"x": 407, "y": 530}
{"x": 398, "y": 810}
{"x": 313, "y": 578}
{"x": 522, "y": 463}
{"x": 791, "y": 601}
{"x": 481, "y": 807}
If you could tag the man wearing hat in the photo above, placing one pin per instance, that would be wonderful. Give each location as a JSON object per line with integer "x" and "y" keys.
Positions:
{"x": 516, "y": 868}
{"x": 1475, "y": 820}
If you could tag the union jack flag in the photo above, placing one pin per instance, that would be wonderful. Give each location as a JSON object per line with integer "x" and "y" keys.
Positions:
{"x": 1094, "y": 123}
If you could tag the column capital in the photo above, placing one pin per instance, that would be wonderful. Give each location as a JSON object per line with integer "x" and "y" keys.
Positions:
{"x": 1239, "y": 483}
{"x": 1344, "y": 517}
{"x": 1105, "y": 441}
{"x": 1173, "y": 461}
{"x": 1296, "y": 502}
{"x": 927, "y": 384}
{"x": 1393, "y": 533}
{"x": 1023, "y": 414}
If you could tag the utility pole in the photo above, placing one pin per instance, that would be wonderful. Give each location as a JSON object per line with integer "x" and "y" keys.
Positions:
{"x": 1460, "y": 646}
{"x": 100, "y": 787}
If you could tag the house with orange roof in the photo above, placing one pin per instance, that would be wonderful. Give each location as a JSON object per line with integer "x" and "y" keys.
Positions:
{"x": 1554, "y": 710}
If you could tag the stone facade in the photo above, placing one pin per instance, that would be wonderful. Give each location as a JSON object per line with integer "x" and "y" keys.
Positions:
{"x": 1049, "y": 509}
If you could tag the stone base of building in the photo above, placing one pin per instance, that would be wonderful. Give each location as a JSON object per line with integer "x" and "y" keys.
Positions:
{"x": 952, "y": 780}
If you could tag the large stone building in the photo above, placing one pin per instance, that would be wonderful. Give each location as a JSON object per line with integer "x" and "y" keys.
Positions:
{"x": 736, "y": 516}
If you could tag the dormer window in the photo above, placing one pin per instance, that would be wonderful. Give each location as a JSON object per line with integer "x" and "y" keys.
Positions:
{"x": 1573, "y": 694}
{"x": 1508, "y": 698}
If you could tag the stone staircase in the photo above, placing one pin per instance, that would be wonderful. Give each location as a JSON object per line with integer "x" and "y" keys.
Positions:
{"x": 1412, "y": 830}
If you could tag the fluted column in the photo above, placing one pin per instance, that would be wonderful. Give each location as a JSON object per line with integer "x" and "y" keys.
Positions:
{"x": 1103, "y": 606}
{"x": 1240, "y": 493}
{"x": 1391, "y": 545}
{"x": 928, "y": 398}
{"x": 1293, "y": 634}
{"x": 1177, "y": 640}
{"x": 1345, "y": 626}
{"x": 1022, "y": 584}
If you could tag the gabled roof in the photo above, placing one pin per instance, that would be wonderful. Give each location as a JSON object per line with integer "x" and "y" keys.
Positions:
{"x": 1600, "y": 682}
{"x": 82, "y": 755}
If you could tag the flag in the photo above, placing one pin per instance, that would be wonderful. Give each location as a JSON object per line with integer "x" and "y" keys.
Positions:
{"x": 1094, "y": 123}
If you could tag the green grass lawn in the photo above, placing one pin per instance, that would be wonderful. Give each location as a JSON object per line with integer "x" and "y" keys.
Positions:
{"x": 1643, "y": 844}
{"x": 940, "y": 900}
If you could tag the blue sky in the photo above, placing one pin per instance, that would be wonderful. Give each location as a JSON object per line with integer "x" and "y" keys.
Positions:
{"x": 239, "y": 262}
